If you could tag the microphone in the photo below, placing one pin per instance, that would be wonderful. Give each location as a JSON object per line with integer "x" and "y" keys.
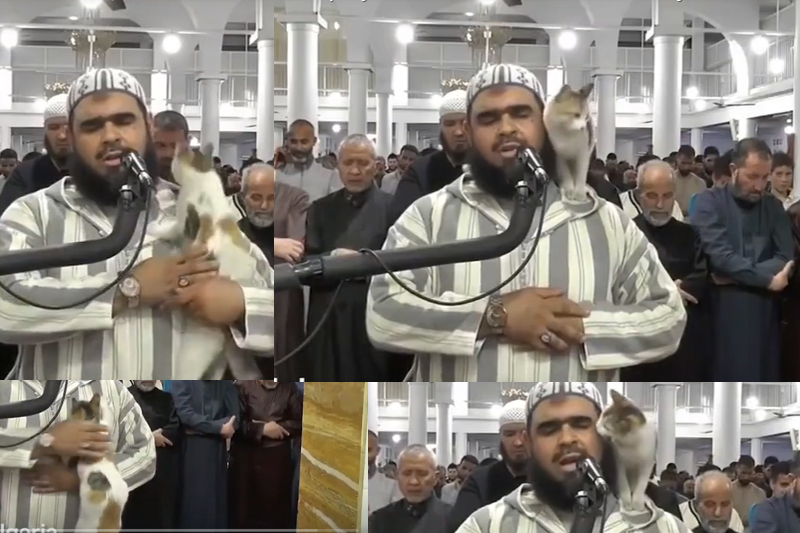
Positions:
{"x": 337, "y": 268}
{"x": 136, "y": 165}
{"x": 35, "y": 406}
{"x": 591, "y": 471}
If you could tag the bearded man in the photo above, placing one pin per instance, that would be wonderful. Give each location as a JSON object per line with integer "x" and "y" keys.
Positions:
{"x": 561, "y": 421}
{"x": 711, "y": 510}
{"x": 96, "y": 325}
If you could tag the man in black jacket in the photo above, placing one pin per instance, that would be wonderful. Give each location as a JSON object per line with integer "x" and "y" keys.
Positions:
{"x": 432, "y": 172}
{"x": 42, "y": 172}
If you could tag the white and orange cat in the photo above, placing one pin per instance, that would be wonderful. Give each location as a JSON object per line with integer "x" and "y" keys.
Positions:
{"x": 204, "y": 216}
{"x": 633, "y": 439}
{"x": 569, "y": 125}
{"x": 103, "y": 491}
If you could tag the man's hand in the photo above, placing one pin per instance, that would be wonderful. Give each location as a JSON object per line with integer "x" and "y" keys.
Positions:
{"x": 687, "y": 298}
{"x": 543, "y": 319}
{"x": 75, "y": 438}
{"x": 781, "y": 280}
{"x": 228, "y": 429}
{"x": 280, "y": 159}
{"x": 218, "y": 301}
{"x": 161, "y": 440}
{"x": 274, "y": 431}
{"x": 52, "y": 477}
{"x": 160, "y": 277}
{"x": 289, "y": 250}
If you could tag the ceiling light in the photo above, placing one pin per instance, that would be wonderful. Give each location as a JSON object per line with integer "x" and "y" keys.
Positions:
{"x": 700, "y": 105}
{"x": 776, "y": 66}
{"x": 171, "y": 44}
{"x": 497, "y": 410}
{"x": 396, "y": 438}
{"x": 336, "y": 25}
{"x": 692, "y": 92}
{"x": 788, "y": 130}
{"x": 567, "y": 40}
{"x": 436, "y": 99}
{"x": 336, "y": 128}
{"x": 487, "y": 2}
{"x": 335, "y": 94}
{"x": 194, "y": 142}
{"x": 469, "y": 14}
{"x": 9, "y": 37}
{"x": 621, "y": 102}
{"x": 761, "y": 415}
{"x": 395, "y": 406}
{"x": 405, "y": 33}
{"x": 73, "y": 18}
{"x": 759, "y": 45}
{"x": 41, "y": 104}
{"x": 91, "y": 4}
{"x": 751, "y": 403}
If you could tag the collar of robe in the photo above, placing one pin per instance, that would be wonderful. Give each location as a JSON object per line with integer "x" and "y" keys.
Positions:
{"x": 357, "y": 199}
{"x": 416, "y": 510}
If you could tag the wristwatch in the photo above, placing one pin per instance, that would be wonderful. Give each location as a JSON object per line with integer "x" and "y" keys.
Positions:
{"x": 130, "y": 288}
{"x": 496, "y": 315}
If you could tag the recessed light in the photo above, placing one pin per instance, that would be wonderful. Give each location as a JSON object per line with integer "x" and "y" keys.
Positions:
{"x": 73, "y": 17}
{"x": 469, "y": 14}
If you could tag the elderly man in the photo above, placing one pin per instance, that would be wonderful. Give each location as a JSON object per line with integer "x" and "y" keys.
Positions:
{"x": 490, "y": 483}
{"x": 432, "y": 172}
{"x": 679, "y": 251}
{"x": 631, "y": 199}
{"x": 343, "y": 223}
{"x": 561, "y": 420}
{"x": 630, "y": 313}
{"x": 419, "y": 511}
{"x": 711, "y": 510}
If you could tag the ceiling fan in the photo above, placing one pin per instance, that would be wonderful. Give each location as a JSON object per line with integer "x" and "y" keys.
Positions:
{"x": 115, "y": 5}
{"x": 723, "y": 105}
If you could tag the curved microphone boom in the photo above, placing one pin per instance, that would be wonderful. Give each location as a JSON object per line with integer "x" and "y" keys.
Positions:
{"x": 136, "y": 165}
{"x": 35, "y": 406}
{"x": 337, "y": 268}
{"x": 591, "y": 471}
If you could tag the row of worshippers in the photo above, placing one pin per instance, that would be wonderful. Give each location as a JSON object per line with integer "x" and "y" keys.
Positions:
{"x": 534, "y": 488}
{"x": 563, "y": 315}
{"x": 225, "y": 455}
{"x": 77, "y": 184}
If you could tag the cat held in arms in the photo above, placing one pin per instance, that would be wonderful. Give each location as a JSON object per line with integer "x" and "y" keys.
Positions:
{"x": 569, "y": 124}
{"x": 103, "y": 491}
{"x": 633, "y": 440}
{"x": 204, "y": 217}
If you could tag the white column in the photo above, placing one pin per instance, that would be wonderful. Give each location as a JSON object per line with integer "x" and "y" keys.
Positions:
{"x": 727, "y": 418}
{"x": 796, "y": 113}
{"x": 667, "y": 94}
{"x": 444, "y": 422}
{"x": 462, "y": 446}
{"x": 666, "y": 403}
{"x": 606, "y": 87}
{"x": 302, "y": 66}
{"x": 265, "y": 100}
{"x": 383, "y": 126}
{"x": 418, "y": 413}
{"x": 209, "y": 120}
{"x": 357, "y": 93}
{"x": 372, "y": 406}
{"x": 757, "y": 450}
{"x": 400, "y": 136}
{"x": 697, "y": 140}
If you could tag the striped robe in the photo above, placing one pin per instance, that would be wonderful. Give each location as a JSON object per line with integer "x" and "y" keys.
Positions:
{"x": 85, "y": 341}
{"x": 593, "y": 252}
{"x": 131, "y": 439}
{"x": 522, "y": 512}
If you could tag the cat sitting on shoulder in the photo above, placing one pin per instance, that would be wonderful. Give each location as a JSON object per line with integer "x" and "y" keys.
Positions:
{"x": 633, "y": 440}
{"x": 569, "y": 125}
{"x": 204, "y": 217}
{"x": 103, "y": 491}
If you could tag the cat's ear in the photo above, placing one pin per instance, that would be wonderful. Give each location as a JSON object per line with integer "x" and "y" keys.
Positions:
{"x": 208, "y": 151}
{"x": 565, "y": 89}
{"x": 586, "y": 90}
{"x": 617, "y": 398}
{"x": 95, "y": 402}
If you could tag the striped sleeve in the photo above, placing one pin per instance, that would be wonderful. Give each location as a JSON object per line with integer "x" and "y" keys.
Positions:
{"x": 17, "y": 456}
{"x": 399, "y": 321}
{"x": 136, "y": 448}
{"x": 471, "y": 526}
{"x": 21, "y": 228}
{"x": 259, "y": 304}
{"x": 646, "y": 319}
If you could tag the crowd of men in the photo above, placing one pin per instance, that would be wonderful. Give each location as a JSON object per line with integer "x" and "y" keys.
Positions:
{"x": 534, "y": 484}
{"x": 682, "y": 266}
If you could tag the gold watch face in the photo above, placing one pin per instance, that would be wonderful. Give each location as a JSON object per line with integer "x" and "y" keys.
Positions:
{"x": 496, "y": 316}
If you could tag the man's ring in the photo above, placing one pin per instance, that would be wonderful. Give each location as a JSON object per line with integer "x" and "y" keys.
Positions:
{"x": 546, "y": 338}
{"x": 183, "y": 282}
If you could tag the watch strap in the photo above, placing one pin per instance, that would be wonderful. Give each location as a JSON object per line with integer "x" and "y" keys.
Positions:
{"x": 496, "y": 315}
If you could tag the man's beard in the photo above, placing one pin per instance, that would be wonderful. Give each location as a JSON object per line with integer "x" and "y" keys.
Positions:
{"x": 560, "y": 495}
{"x": 145, "y": 387}
{"x": 713, "y": 526}
{"x": 300, "y": 158}
{"x": 104, "y": 190}
{"x": 260, "y": 219}
{"x": 61, "y": 160}
{"x": 502, "y": 182}
{"x": 657, "y": 219}
{"x": 743, "y": 482}
{"x": 456, "y": 157}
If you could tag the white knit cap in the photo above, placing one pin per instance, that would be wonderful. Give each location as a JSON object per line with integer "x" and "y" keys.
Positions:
{"x": 104, "y": 79}
{"x": 513, "y": 413}
{"x": 453, "y": 102}
{"x": 56, "y": 107}
{"x": 504, "y": 74}
{"x": 548, "y": 389}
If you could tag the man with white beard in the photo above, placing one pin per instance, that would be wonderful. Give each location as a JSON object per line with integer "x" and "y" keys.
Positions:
{"x": 711, "y": 510}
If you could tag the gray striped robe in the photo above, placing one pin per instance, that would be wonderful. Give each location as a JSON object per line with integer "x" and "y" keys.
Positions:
{"x": 522, "y": 512}
{"x": 85, "y": 341}
{"x": 130, "y": 438}
{"x": 593, "y": 252}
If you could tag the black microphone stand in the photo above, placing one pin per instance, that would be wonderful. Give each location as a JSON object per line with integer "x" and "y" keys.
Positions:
{"x": 590, "y": 505}
{"x": 35, "y": 406}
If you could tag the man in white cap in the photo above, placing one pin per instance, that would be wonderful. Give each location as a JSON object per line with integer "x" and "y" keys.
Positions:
{"x": 591, "y": 296}
{"x": 561, "y": 420}
{"x": 96, "y": 325}
{"x": 42, "y": 172}
{"x": 490, "y": 483}
{"x": 432, "y": 172}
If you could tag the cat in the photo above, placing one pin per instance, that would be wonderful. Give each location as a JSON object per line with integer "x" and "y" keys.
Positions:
{"x": 568, "y": 121}
{"x": 205, "y": 216}
{"x": 103, "y": 491}
{"x": 633, "y": 440}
